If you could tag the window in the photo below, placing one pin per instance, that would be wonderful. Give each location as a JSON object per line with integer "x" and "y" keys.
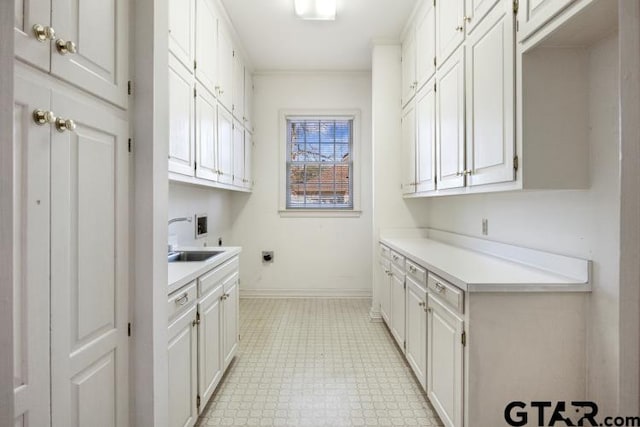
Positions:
{"x": 319, "y": 163}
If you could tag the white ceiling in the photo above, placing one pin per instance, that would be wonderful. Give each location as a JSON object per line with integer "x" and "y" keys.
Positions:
{"x": 275, "y": 39}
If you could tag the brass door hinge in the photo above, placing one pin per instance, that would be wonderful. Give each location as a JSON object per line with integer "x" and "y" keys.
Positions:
{"x": 198, "y": 401}
{"x": 129, "y": 88}
{"x": 516, "y": 163}
{"x": 516, "y": 6}
{"x": 463, "y": 339}
{"x": 129, "y": 145}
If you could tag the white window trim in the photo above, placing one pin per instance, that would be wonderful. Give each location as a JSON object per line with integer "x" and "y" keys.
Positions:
{"x": 356, "y": 153}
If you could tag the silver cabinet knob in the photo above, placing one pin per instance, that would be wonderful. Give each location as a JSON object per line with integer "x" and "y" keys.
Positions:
{"x": 65, "y": 47}
{"x": 422, "y": 304}
{"x": 42, "y": 117}
{"x": 65, "y": 125}
{"x": 43, "y": 33}
{"x": 467, "y": 19}
{"x": 460, "y": 28}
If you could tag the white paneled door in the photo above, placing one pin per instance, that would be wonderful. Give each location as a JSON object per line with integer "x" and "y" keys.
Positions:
{"x": 210, "y": 344}
{"x": 183, "y": 370}
{"x": 425, "y": 45}
{"x": 248, "y": 160}
{"x": 182, "y": 31}
{"x": 181, "y": 119}
{"x": 90, "y": 265}
{"x": 32, "y": 144}
{"x": 231, "y": 320}
{"x": 225, "y": 146}
{"x": 417, "y": 330}
{"x": 206, "y": 43}
{"x": 450, "y": 23}
{"x": 29, "y": 47}
{"x": 478, "y": 9}
{"x": 409, "y": 149}
{"x": 206, "y": 135}
{"x": 398, "y": 309}
{"x": 426, "y": 139}
{"x": 238, "y": 154}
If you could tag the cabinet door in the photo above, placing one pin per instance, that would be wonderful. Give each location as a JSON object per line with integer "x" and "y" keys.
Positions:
{"x": 248, "y": 159}
{"x": 31, "y": 212}
{"x": 181, "y": 119}
{"x": 417, "y": 330}
{"x": 408, "y": 68}
{"x": 248, "y": 100}
{"x": 231, "y": 312}
{"x": 450, "y": 123}
{"x": 238, "y": 87}
{"x": 444, "y": 362}
{"x": 238, "y": 154}
{"x": 478, "y": 9}
{"x": 225, "y": 146}
{"x": 206, "y": 43}
{"x": 183, "y": 370}
{"x": 425, "y": 45}
{"x": 491, "y": 99}
{"x": 426, "y": 139}
{"x": 27, "y": 47}
{"x": 206, "y": 135}
{"x": 449, "y": 28}
{"x": 209, "y": 344}
{"x": 89, "y": 281}
{"x": 182, "y": 31}
{"x": 100, "y": 31}
{"x": 225, "y": 69}
{"x": 533, "y": 14}
{"x": 385, "y": 293}
{"x": 409, "y": 149}
{"x": 398, "y": 309}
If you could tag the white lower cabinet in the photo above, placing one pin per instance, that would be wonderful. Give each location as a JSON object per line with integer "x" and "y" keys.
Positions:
{"x": 183, "y": 365}
{"x": 397, "y": 305}
{"x": 385, "y": 290}
{"x": 416, "y": 312}
{"x": 210, "y": 365}
{"x": 230, "y": 312}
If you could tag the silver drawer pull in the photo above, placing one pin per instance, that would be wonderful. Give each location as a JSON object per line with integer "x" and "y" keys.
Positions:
{"x": 441, "y": 289}
{"x": 182, "y": 300}
{"x": 412, "y": 269}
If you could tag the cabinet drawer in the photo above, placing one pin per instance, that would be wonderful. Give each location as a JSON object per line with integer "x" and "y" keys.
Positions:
{"x": 397, "y": 259}
{"x": 398, "y": 272}
{"x": 207, "y": 281}
{"x": 446, "y": 292}
{"x": 385, "y": 252}
{"x": 418, "y": 273}
{"x": 181, "y": 300}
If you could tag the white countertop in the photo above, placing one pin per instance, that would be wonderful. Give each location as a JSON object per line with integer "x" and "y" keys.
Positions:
{"x": 474, "y": 271}
{"x": 181, "y": 273}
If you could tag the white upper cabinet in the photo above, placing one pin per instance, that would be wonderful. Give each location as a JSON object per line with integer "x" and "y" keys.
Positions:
{"x": 248, "y": 100}
{"x": 425, "y": 139}
{"x": 450, "y": 22}
{"x": 182, "y": 31}
{"x": 224, "y": 88}
{"x": 409, "y": 149}
{"x": 533, "y": 14}
{"x": 32, "y": 47}
{"x": 425, "y": 45}
{"x": 477, "y": 10}
{"x": 206, "y": 60}
{"x": 490, "y": 99}
{"x": 238, "y": 155}
{"x": 206, "y": 135}
{"x": 225, "y": 146}
{"x": 238, "y": 88}
{"x": 409, "y": 82}
{"x": 181, "y": 119}
{"x": 248, "y": 160}
{"x": 450, "y": 123}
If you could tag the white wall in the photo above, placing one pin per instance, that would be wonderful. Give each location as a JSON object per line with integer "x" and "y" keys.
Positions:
{"x": 578, "y": 223}
{"x": 188, "y": 200}
{"x": 313, "y": 256}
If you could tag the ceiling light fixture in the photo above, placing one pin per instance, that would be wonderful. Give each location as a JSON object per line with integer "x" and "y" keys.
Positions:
{"x": 318, "y": 10}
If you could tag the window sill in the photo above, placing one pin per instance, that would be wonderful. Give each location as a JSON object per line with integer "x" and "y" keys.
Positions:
{"x": 319, "y": 213}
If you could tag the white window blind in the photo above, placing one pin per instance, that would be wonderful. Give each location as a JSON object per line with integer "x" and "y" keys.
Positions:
{"x": 319, "y": 163}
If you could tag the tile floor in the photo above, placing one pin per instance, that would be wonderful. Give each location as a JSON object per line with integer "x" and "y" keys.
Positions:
{"x": 316, "y": 362}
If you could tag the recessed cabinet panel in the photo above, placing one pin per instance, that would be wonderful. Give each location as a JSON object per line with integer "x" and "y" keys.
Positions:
{"x": 99, "y": 30}
{"x": 408, "y": 68}
{"x": 478, "y": 9}
{"x": 225, "y": 146}
{"x": 206, "y": 43}
{"x": 425, "y": 46}
{"x": 210, "y": 344}
{"x": 248, "y": 160}
{"x": 182, "y": 31}
{"x": 238, "y": 155}
{"x": 248, "y": 100}
{"x": 449, "y": 28}
{"x": 27, "y": 47}
{"x": 426, "y": 139}
{"x": 181, "y": 119}
{"x": 491, "y": 100}
{"x": 238, "y": 88}
{"x": 533, "y": 14}
{"x": 385, "y": 290}
{"x": 416, "y": 311}
{"x": 398, "y": 308}
{"x": 182, "y": 367}
{"x": 409, "y": 149}
{"x": 450, "y": 122}
{"x": 206, "y": 135}
{"x": 225, "y": 69}
{"x": 231, "y": 323}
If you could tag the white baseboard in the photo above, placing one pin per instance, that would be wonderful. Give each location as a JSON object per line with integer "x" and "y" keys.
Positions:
{"x": 305, "y": 293}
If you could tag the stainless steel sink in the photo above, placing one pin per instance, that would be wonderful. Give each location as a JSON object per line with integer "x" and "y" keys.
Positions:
{"x": 188, "y": 256}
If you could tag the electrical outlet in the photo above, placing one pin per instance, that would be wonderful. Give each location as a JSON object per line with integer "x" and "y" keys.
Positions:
{"x": 485, "y": 227}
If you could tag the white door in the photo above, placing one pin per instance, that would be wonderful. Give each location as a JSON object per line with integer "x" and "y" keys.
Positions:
{"x": 408, "y": 67}
{"x": 181, "y": 119}
{"x": 206, "y": 60}
{"x": 225, "y": 146}
{"x": 209, "y": 345}
{"x": 231, "y": 318}
{"x": 491, "y": 99}
{"x": 31, "y": 209}
{"x": 206, "y": 135}
{"x": 29, "y": 47}
{"x": 225, "y": 69}
{"x": 248, "y": 100}
{"x": 182, "y": 28}
{"x": 445, "y": 362}
{"x": 425, "y": 45}
{"x": 478, "y": 9}
{"x": 238, "y": 87}
{"x": 398, "y": 309}
{"x": 183, "y": 370}
{"x": 89, "y": 281}
{"x": 238, "y": 154}
{"x": 417, "y": 330}
{"x": 449, "y": 28}
{"x": 385, "y": 291}
{"x": 248, "y": 160}
{"x": 533, "y": 14}
{"x": 426, "y": 139}
{"x": 100, "y": 32}
{"x": 450, "y": 122}
{"x": 409, "y": 149}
